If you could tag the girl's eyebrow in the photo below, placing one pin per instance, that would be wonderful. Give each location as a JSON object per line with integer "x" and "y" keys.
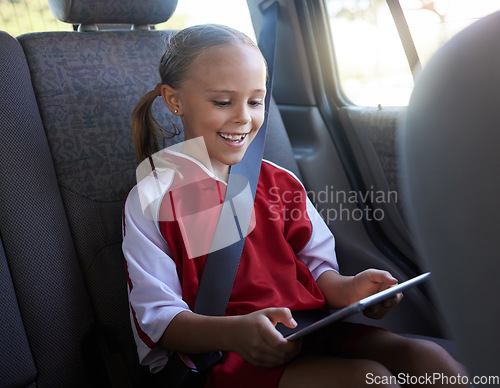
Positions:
{"x": 210, "y": 90}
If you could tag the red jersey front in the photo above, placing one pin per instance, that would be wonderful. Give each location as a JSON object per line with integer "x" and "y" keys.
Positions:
{"x": 269, "y": 274}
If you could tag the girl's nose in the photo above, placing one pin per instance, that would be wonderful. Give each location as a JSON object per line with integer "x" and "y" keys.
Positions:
{"x": 243, "y": 114}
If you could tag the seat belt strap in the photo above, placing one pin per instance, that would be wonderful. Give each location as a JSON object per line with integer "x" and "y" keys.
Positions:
{"x": 221, "y": 265}
{"x": 405, "y": 36}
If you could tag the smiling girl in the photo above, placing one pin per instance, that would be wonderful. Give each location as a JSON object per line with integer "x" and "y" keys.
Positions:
{"x": 214, "y": 78}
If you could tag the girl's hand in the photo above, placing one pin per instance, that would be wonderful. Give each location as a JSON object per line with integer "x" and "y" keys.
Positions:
{"x": 256, "y": 339}
{"x": 369, "y": 282}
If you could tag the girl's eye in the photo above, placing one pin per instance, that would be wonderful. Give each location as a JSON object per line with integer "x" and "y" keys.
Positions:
{"x": 255, "y": 103}
{"x": 221, "y": 103}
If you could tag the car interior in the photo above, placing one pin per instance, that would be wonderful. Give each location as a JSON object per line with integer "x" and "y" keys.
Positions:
{"x": 389, "y": 182}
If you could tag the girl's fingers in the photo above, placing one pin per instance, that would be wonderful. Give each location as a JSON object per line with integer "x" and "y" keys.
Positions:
{"x": 280, "y": 314}
{"x": 380, "y": 310}
{"x": 379, "y": 276}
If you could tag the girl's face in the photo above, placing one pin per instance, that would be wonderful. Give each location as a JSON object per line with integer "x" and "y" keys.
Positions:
{"x": 222, "y": 99}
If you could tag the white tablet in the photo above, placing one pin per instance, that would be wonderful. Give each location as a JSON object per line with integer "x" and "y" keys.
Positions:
{"x": 355, "y": 307}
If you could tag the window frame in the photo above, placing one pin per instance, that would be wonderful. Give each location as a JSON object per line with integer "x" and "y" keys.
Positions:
{"x": 330, "y": 99}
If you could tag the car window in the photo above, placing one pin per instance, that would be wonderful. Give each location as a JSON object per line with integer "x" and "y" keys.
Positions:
{"x": 371, "y": 63}
{"x": 232, "y": 13}
{"x": 23, "y": 16}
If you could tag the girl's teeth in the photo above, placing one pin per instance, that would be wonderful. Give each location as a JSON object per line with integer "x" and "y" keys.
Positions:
{"x": 235, "y": 138}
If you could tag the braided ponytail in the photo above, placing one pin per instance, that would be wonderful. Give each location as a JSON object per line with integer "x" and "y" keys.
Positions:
{"x": 145, "y": 128}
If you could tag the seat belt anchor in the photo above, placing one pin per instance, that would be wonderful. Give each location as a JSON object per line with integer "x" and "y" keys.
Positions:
{"x": 265, "y": 4}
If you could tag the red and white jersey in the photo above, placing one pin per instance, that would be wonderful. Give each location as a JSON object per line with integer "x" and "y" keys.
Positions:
{"x": 289, "y": 246}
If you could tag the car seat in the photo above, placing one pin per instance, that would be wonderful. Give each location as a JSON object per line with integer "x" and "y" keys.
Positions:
{"x": 86, "y": 85}
{"x": 450, "y": 148}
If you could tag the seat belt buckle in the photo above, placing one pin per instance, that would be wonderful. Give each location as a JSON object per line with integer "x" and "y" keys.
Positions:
{"x": 203, "y": 361}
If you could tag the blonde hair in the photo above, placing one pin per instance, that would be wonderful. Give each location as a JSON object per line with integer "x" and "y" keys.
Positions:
{"x": 180, "y": 52}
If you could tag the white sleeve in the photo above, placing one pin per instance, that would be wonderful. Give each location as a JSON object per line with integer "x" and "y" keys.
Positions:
{"x": 319, "y": 252}
{"x": 155, "y": 292}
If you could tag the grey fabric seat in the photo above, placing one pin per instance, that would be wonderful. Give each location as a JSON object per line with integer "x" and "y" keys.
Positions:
{"x": 46, "y": 311}
{"x": 86, "y": 89}
{"x": 69, "y": 163}
{"x": 451, "y": 160}
{"x": 18, "y": 367}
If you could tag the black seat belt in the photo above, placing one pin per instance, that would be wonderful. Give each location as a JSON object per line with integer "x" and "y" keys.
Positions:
{"x": 405, "y": 36}
{"x": 221, "y": 265}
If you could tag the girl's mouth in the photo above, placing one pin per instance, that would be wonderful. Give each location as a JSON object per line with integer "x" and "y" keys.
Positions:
{"x": 233, "y": 137}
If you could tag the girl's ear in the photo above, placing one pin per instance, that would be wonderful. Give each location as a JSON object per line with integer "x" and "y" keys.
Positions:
{"x": 171, "y": 99}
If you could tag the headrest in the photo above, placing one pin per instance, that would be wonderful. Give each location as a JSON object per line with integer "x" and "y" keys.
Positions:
{"x": 137, "y": 12}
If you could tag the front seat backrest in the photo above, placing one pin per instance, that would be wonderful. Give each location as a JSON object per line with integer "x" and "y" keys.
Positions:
{"x": 451, "y": 157}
